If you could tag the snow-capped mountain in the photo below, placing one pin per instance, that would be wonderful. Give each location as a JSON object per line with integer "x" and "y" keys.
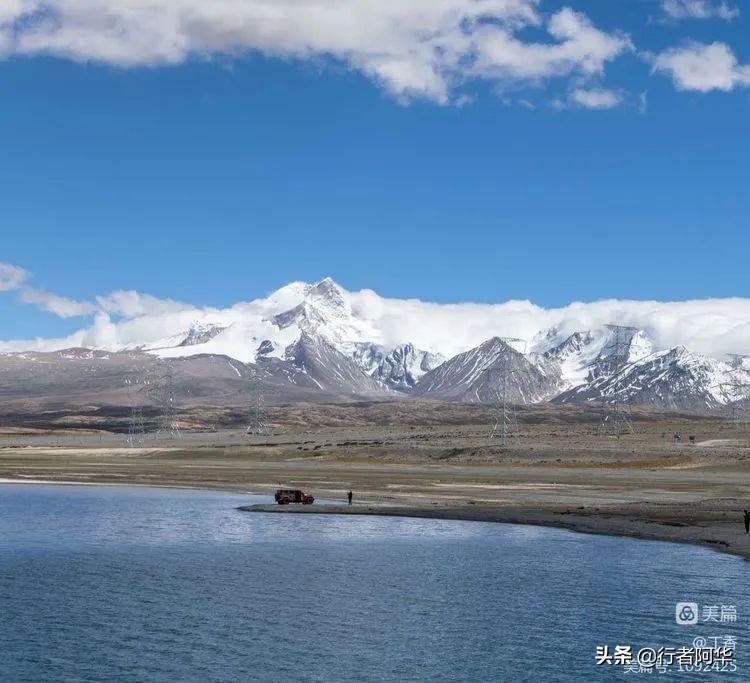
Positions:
{"x": 583, "y": 357}
{"x": 672, "y": 379}
{"x": 268, "y": 327}
{"x": 320, "y": 340}
{"x": 399, "y": 368}
{"x": 476, "y": 376}
{"x": 200, "y": 333}
{"x": 314, "y": 359}
{"x": 323, "y": 311}
{"x": 318, "y": 326}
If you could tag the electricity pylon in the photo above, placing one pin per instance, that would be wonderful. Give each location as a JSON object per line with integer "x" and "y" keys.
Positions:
{"x": 257, "y": 409}
{"x": 617, "y": 419}
{"x": 169, "y": 424}
{"x": 162, "y": 391}
{"x": 736, "y": 391}
{"x": 506, "y": 421}
{"x": 136, "y": 429}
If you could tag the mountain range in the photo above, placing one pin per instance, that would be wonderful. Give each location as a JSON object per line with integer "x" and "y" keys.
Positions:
{"x": 307, "y": 342}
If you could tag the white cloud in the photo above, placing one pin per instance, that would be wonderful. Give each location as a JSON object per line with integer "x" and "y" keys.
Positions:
{"x": 712, "y": 326}
{"x": 54, "y": 303}
{"x": 701, "y": 67}
{"x": 413, "y": 48}
{"x": 699, "y": 9}
{"x": 596, "y": 98}
{"x": 579, "y": 47}
{"x": 11, "y": 277}
{"x": 643, "y": 102}
{"x": 127, "y": 304}
{"x": 131, "y": 304}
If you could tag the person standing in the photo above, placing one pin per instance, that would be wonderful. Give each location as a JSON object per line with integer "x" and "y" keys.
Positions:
{"x": 349, "y": 496}
{"x": 747, "y": 521}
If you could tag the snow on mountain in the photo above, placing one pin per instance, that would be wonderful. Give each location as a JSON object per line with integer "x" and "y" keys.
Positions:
{"x": 200, "y": 333}
{"x": 324, "y": 311}
{"x": 320, "y": 337}
{"x": 584, "y": 356}
{"x": 399, "y": 368}
{"x": 314, "y": 359}
{"x": 269, "y": 326}
{"x": 671, "y": 379}
{"x": 476, "y": 377}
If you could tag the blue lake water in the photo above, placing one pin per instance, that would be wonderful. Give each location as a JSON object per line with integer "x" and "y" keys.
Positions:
{"x": 137, "y": 584}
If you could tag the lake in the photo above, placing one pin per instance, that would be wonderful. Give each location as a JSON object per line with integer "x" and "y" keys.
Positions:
{"x": 139, "y": 584}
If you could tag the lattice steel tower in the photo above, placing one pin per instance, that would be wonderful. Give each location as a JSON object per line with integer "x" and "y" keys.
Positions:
{"x": 136, "y": 430}
{"x": 168, "y": 395}
{"x": 617, "y": 419}
{"x": 257, "y": 407}
{"x": 162, "y": 392}
{"x": 506, "y": 421}
{"x": 736, "y": 391}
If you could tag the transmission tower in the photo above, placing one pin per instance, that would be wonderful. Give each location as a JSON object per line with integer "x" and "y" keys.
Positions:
{"x": 169, "y": 425}
{"x": 257, "y": 407}
{"x": 136, "y": 430}
{"x": 617, "y": 420}
{"x": 162, "y": 391}
{"x": 506, "y": 421}
{"x": 736, "y": 391}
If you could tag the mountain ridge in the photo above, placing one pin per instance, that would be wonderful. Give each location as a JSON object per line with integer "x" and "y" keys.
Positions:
{"x": 317, "y": 337}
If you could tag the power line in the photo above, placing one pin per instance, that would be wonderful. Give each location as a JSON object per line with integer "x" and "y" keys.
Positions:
{"x": 506, "y": 420}
{"x": 617, "y": 419}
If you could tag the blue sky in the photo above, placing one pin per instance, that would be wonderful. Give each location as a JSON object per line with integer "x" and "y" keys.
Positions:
{"x": 218, "y": 175}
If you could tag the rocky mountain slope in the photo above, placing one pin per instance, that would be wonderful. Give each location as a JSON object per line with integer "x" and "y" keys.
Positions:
{"x": 673, "y": 379}
{"x": 476, "y": 376}
{"x": 398, "y": 369}
{"x": 316, "y": 342}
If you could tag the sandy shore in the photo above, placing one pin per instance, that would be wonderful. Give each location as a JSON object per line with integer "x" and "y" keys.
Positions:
{"x": 643, "y": 486}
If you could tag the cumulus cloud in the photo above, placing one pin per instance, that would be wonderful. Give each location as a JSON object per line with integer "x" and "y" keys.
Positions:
{"x": 11, "y": 277}
{"x": 578, "y": 47}
{"x": 699, "y": 9}
{"x": 419, "y": 48}
{"x": 596, "y": 98}
{"x": 701, "y": 67}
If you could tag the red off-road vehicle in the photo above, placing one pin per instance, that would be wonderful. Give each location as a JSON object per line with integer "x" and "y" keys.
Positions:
{"x": 286, "y": 496}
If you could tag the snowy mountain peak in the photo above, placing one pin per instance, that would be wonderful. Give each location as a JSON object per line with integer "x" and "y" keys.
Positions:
{"x": 320, "y": 335}
{"x": 200, "y": 333}
{"x": 322, "y": 303}
{"x": 495, "y": 345}
{"x": 572, "y": 346}
{"x": 478, "y": 375}
{"x": 331, "y": 370}
{"x": 323, "y": 310}
{"x": 399, "y": 368}
{"x": 328, "y": 293}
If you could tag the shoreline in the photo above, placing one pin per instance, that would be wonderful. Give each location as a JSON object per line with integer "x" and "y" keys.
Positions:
{"x": 599, "y": 522}
{"x": 596, "y": 525}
